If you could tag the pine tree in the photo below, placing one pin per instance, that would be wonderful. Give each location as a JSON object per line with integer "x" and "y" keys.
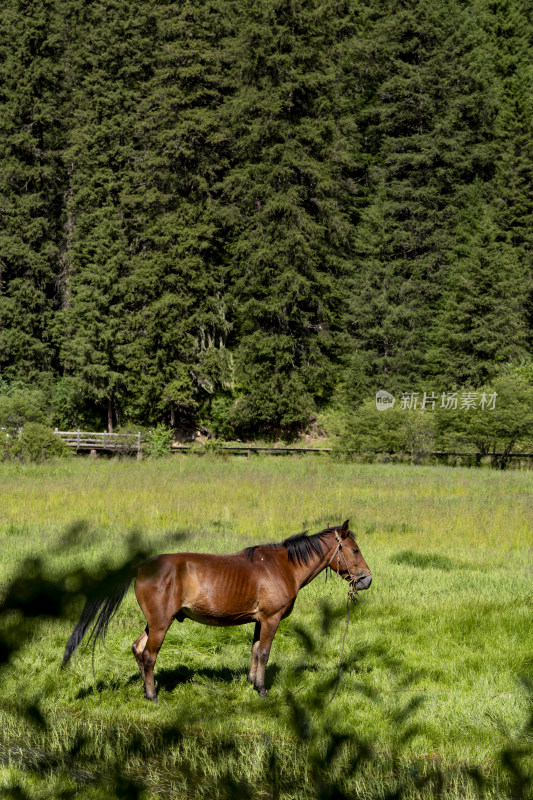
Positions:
{"x": 224, "y": 210}
{"x": 286, "y": 198}
{"x": 109, "y": 61}
{"x": 176, "y": 286}
{"x": 428, "y": 130}
{"x": 31, "y": 184}
{"x": 481, "y": 324}
{"x": 508, "y": 24}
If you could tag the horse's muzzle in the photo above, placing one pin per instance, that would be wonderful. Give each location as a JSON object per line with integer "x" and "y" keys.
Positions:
{"x": 364, "y": 582}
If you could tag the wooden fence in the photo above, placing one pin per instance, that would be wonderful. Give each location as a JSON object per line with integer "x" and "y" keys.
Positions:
{"x": 414, "y": 457}
{"x": 246, "y": 449}
{"x": 91, "y": 440}
{"x": 131, "y": 443}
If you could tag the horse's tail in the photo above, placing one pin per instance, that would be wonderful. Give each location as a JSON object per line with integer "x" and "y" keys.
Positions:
{"x": 102, "y": 608}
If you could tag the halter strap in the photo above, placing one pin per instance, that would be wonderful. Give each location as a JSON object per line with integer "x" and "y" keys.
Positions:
{"x": 338, "y": 552}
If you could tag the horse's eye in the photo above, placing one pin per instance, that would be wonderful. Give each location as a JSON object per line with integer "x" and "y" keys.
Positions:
{"x": 355, "y": 550}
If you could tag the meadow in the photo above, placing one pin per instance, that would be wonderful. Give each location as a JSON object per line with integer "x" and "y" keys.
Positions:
{"x": 434, "y": 692}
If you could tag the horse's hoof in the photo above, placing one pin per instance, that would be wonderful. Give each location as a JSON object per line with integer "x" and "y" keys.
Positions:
{"x": 153, "y": 699}
{"x": 263, "y": 692}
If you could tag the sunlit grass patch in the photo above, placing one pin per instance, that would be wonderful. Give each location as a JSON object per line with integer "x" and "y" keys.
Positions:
{"x": 440, "y": 641}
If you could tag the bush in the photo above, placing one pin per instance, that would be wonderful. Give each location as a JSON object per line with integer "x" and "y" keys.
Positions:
{"x": 211, "y": 446}
{"x": 394, "y": 430}
{"x": 504, "y": 427}
{"x": 19, "y": 406}
{"x": 159, "y": 442}
{"x": 36, "y": 442}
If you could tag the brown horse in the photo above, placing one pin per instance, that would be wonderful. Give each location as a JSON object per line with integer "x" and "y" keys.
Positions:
{"x": 259, "y": 585}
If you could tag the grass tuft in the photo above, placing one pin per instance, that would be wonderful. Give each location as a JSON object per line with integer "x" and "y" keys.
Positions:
{"x": 434, "y": 676}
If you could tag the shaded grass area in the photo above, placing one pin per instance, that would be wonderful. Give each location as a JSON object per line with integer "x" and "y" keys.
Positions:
{"x": 431, "y": 681}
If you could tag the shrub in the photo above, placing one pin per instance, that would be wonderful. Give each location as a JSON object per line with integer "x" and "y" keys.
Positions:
{"x": 211, "y": 446}
{"x": 21, "y": 405}
{"x": 159, "y": 442}
{"x": 395, "y": 430}
{"x": 36, "y": 442}
{"x": 506, "y": 427}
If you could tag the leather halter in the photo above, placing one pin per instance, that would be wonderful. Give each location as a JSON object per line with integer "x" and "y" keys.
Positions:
{"x": 353, "y": 579}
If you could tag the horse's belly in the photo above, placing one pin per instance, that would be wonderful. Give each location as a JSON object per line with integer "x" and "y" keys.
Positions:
{"x": 217, "y": 619}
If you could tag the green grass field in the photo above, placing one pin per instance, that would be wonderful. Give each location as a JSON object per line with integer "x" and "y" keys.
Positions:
{"x": 435, "y": 659}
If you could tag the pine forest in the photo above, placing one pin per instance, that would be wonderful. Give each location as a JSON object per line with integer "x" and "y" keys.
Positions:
{"x": 247, "y": 215}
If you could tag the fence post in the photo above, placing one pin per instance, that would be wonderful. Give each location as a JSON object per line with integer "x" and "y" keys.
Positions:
{"x": 78, "y": 440}
{"x": 139, "y": 451}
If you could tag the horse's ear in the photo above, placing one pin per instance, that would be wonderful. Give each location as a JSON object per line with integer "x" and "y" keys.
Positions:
{"x": 345, "y": 530}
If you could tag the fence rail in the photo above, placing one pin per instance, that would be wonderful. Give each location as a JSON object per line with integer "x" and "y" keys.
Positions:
{"x": 132, "y": 443}
{"x": 92, "y": 440}
{"x": 250, "y": 448}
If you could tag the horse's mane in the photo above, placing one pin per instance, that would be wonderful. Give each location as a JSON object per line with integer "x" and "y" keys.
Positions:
{"x": 300, "y": 547}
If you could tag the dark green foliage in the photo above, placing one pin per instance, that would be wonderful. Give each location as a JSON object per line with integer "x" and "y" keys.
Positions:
{"x": 508, "y": 25}
{"x": 288, "y": 197}
{"x": 177, "y": 324}
{"x": 109, "y": 62}
{"x": 238, "y": 213}
{"x": 35, "y": 442}
{"x": 429, "y": 128}
{"x": 32, "y": 181}
{"x": 481, "y": 323}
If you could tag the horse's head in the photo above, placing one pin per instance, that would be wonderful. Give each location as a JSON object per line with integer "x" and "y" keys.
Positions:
{"x": 348, "y": 559}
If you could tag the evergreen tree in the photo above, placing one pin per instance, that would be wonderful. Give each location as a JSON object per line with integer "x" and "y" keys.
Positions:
{"x": 176, "y": 285}
{"x": 428, "y": 129}
{"x": 223, "y": 211}
{"x": 482, "y": 321}
{"x": 508, "y": 24}
{"x": 287, "y": 200}
{"x": 481, "y": 324}
{"x": 109, "y": 61}
{"x": 31, "y": 184}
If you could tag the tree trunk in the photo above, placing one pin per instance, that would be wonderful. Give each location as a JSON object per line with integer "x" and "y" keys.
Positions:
{"x": 110, "y": 414}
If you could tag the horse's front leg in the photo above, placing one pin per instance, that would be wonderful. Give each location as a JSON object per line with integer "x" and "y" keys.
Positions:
{"x": 255, "y": 653}
{"x": 269, "y": 627}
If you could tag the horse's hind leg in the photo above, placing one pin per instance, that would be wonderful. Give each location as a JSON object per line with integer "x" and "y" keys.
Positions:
{"x": 156, "y": 634}
{"x": 255, "y": 653}
{"x": 137, "y": 649}
{"x": 160, "y": 600}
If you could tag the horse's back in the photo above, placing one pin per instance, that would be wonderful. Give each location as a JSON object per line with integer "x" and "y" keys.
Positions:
{"x": 209, "y": 588}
